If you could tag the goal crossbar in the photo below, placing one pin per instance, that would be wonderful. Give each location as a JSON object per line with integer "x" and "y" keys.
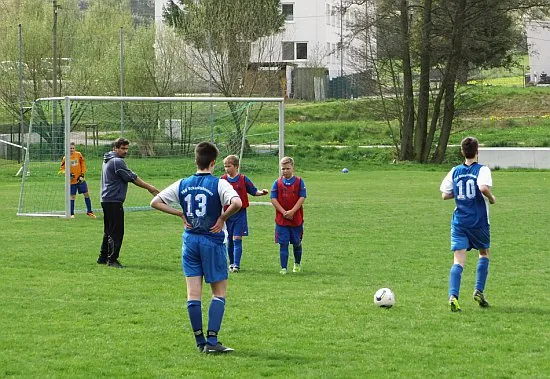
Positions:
{"x": 168, "y": 99}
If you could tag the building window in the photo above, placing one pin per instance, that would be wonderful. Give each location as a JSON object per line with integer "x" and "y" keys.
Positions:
{"x": 294, "y": 50}
{"x": 327, "y": 14}
{"x": 288, "y": 12}
{"x": 288, "y": 51}
{"x": 301, "y": 50}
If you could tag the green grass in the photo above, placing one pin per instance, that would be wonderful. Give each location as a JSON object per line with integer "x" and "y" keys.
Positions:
{"x": 380, "y": 225}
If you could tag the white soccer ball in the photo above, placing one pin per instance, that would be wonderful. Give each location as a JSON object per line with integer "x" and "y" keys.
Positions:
{"x": 345, "y": 170}
{"x": 384, "y": 298}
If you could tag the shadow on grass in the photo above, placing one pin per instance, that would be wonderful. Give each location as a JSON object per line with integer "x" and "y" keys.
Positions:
{"x": 147, "y": 267}
{"x": 274, "y": 271}
{"x": 520, "y": 310}
{"x": 272, "y": 355}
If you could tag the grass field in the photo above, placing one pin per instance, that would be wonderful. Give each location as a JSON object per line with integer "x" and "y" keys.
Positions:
{"x": 64, "y": 316}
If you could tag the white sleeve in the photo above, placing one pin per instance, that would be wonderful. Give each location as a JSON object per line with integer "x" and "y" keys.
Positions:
{"x": 484, "y": 177}
{"x": 226, "y": 192}
{"x": 447, "y": 183}
{"x": 170, "y": 194}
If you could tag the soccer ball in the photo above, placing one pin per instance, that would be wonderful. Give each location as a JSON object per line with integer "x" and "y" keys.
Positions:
{"x": 384, "y": 298}
{"x": 345, "y": 170}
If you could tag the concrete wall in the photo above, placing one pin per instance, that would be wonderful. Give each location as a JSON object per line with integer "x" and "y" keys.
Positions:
{"x": 522, "y": 157}
{"x": 538, "y": 42}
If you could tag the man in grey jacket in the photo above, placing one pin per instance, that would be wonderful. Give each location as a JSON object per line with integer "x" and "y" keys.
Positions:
{"x": 115, "y": 176}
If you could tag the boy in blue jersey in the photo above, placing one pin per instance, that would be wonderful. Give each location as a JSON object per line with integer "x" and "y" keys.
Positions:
{"x": 202, "y": 198}
{"x": 287, "y": 196}
{"x": 237, "y": 225}
{"x": 470, "y": 185}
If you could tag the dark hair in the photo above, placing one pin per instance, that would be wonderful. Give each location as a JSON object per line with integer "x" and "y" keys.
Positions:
{"x": 205, "y": 152}
{"x": 469, "y": 146}
{"x": 121, "y": 142}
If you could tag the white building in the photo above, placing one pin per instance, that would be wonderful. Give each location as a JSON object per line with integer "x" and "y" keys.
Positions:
{"x": 538, "y": 43}
{"x": 316, "y": 35}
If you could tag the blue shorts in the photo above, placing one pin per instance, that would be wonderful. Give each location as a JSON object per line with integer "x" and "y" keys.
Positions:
{"x": 466, "y": 238}
{"x": 201, "y": 256}
{"x": 82, "y": 188}
{"x": 237, "y": 225}
{"x": 289, "y": 234}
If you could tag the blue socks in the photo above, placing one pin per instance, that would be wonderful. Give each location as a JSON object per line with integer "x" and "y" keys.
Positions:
{"x": 297, "y": 249}
{"x": 195, "y": 316}
{"x": 88, "y": 204}
{"x": 283, "y": 254}
{"x": 230, "y": 248}
{"x": 215, "y": 316}
{"x": 238, "y": 251}
{"x": 481, "y": 273}
{"x": 454, "y": 280}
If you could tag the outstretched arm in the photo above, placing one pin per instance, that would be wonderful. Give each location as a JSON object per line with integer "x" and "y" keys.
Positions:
{"x": 140, "y": 183}
{"x": 261, "y": 192}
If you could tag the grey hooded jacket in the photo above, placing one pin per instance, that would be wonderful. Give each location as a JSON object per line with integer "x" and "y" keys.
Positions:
{"x": 115, "y": 176}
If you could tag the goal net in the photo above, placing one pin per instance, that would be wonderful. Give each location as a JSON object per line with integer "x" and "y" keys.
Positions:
{"x": 162, "y": 132}
{"x": 11, "y": 155}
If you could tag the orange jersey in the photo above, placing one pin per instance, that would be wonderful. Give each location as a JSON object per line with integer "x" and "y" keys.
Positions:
{"x": 78, "y": 166}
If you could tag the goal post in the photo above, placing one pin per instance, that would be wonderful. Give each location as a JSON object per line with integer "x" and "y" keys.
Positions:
{"x": 162, "y": 131}
{"x": 11, "y": 155}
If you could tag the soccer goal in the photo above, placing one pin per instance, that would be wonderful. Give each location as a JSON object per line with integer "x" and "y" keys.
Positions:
{"x": 11, "y": 156}
{"x": 162, "y": 131}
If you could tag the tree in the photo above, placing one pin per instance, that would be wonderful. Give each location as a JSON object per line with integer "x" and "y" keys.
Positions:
{"x": 35, "y": 18}
{"x": 449, "y": 36}
{"x": 218, "y": 37}
{"x": 89, "y": 39}
{"x": 219, "y": 34}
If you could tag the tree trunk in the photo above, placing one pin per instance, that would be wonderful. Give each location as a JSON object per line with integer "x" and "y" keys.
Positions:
{"x": 435, "y": 120}
{"x": 446, "y": 125}
{"x": 424, "y": 91}
{"x": 450, "y": 74}
{"x": 407, "y": 127}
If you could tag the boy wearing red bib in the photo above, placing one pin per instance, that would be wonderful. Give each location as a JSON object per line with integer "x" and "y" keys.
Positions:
{"x": 287, "y": 196}
{"x": 237, "y": 224}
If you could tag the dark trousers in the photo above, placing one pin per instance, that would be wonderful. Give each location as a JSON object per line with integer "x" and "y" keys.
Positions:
{"x": 113, "y": 231}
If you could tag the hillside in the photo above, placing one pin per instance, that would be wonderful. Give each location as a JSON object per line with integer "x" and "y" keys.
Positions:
{"x": 472, "y": 102}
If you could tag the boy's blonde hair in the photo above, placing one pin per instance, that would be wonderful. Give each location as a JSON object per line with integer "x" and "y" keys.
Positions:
{"x": 287, "y": 160}
{"x": 232, "y": 159}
